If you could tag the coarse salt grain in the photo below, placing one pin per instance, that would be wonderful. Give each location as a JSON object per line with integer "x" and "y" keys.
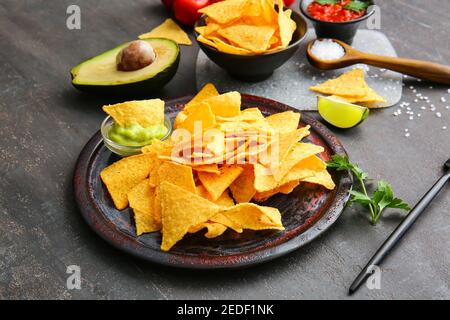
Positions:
{"x": 443, "y": 99}
{"x": 444, "y": 128}
{"x": 407, "y": 134}
{"x": 438, "y": 114}
{"x": 327, "y": 50}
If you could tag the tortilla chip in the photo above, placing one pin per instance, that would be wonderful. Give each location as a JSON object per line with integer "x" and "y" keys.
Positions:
{"x": 177, "y": 174}
{"x": 199, "y": 118}
{"x": 169, "y": 30}
{"x": 181, "y": 210}
{"x": 208, "y": 91}
{"x": 254, "y": 217}
{"x": 214, "y": 229}
{"x": 243, "y": 188}
{"x": 222, "y": 46}
{"x": 179, "y": 119}
{"x": 285, "y": 189}
{"x": 286, "y": 25}
{"x": 224, "y": 200}
{"x": 250, "y": 37}
{"x": 216, "y": 184}
{"x": 225, "y": 11}
{"x": 124, "y": 175}
{"x": 146, "y": 113}
{"x": 322, "y": 178}
{"x": 222, "y": 219}
{"x": 224, "y": 105}
{"x": 210, "y": 168}
{"x": 284, "y": 122}
{"x": 297, "y": 153}
{"x": 266, "y": 179}
{"x": 247, "y": 115}
{"x": 141, "y": 199}
{"x": 350, "y": 84}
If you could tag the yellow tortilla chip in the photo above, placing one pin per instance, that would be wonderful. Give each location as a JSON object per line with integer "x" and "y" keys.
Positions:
{"x": 371, "y": 97}
{"x": 254, "y": 217}
{"x": 250, "y": 37}
{"x": 281, "y": 146}
{"x": 322, "y": 178}
{"x": 225, "y": 11}
{"x": 284, "y": 122}
{"x": 143, "y": 112}
{"x": 208, "y": 91}
{"x": 179, "y": 119}
{"x": 177, "y": 174}
{"x": 123, "y": 175}
{"x": 214, "y": 229}
{"x": 285, "y": 189}
{"x": 141, "y": 199}
{"x": 247, "y": 115}
{"x": 351, "y": 84}
{"x": 286, "y": 25}
{"x": 222, "y": 46}
{"x": 222, "y": 219}
{"x": 210, "y": 168}
{"x": 181, "y": 210}
{"x": 216, "y": 184}
{"x": 200, "y": 117}
{"x": 224, "y": 200}
{"x": 224, "y": 105}
{"x": 169, "y": 30}
{"x": 266, "y": 179}
{"x": 243, "y": 188}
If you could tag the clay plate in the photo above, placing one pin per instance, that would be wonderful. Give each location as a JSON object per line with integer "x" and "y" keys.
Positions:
{"x": 307, "y": 212}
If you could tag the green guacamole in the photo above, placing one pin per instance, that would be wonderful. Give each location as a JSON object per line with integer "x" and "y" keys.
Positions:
{"x": 135, "y": 135}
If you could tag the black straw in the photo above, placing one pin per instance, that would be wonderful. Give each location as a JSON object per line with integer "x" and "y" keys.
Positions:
{"x": 398, "y": 233}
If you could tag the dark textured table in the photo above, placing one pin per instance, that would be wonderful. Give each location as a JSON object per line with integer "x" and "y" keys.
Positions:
{"x": 44, "y": 123}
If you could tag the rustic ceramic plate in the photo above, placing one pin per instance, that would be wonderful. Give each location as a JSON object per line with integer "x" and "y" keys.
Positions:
{"x": 307, "y": 212}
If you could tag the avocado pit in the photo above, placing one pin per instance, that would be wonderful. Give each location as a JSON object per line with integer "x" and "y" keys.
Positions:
{"x": 137, "y": 55}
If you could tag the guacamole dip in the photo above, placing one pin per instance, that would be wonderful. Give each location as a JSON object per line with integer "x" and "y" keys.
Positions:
{"x": 135, "y": 135}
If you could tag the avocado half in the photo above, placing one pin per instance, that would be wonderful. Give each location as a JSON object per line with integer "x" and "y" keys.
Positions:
{"x": 100, "y": 75}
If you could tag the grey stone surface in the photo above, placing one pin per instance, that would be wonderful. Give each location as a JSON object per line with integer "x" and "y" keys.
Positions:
{"x": 44, "y": 123}
{"x": 291, "y": 82}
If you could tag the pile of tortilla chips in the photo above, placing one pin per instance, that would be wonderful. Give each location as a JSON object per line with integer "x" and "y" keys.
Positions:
{"x": 352, "y": 88}
{"x": 218, "y": 160}
{"x": 169, "y": 30}
{"x": 246, "y": 27}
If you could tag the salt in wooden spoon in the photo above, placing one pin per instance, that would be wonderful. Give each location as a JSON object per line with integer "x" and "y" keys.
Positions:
{"x": 417, "y": 68}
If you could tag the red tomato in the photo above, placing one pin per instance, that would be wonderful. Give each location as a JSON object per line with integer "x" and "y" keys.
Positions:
{"x": 288, "y": 3}
{"x": 186, "y": 10}
{"x": 168, "y": 4}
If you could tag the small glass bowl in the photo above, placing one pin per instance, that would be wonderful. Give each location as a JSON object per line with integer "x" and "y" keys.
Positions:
{"x": 125, "y": 151}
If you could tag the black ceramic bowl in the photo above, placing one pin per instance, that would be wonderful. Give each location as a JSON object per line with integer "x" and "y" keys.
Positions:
{"x": 254, "y": 68}
{"x": 344, "y": 31}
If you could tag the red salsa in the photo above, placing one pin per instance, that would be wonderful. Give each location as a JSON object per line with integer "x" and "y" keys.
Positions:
{"x": 334, "y": 12}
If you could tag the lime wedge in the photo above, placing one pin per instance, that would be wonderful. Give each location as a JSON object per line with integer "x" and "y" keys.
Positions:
{"x": 341, "y": 114}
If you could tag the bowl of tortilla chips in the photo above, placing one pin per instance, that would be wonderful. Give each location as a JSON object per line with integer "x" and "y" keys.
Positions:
{"x": 249, "y": 38}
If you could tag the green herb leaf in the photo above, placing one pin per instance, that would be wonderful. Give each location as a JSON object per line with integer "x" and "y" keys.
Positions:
{"x": 360, "y": 198}
{"x": 358, "y": 5}
{"x": 341, "y": 163}
{"x": 323, "y": 2}
{"x": 382, "y": 198}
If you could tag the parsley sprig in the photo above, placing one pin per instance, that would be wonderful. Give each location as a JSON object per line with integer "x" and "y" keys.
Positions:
{"x": 382, "y": 198}
{"x": 354, "y": 5}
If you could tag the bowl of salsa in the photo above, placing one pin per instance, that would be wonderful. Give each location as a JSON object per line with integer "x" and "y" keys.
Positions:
{"x": 337, "y": 19}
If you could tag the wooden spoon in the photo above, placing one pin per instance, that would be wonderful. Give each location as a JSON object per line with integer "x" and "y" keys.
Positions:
{"x": 420, "y": 69}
